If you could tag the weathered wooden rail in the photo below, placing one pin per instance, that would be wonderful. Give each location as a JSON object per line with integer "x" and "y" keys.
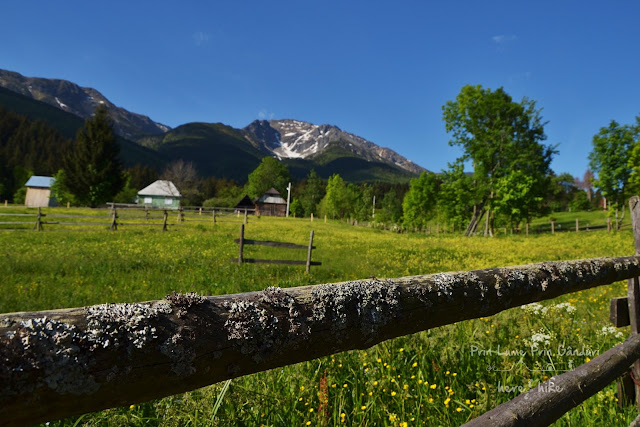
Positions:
{"x": 65, "y": 362}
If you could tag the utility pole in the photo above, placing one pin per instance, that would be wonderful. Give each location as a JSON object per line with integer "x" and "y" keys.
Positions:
{"x": 374, "y": 207}
{"x": 288, "y": 198}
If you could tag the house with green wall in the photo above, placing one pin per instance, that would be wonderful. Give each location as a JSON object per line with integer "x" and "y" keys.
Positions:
{"x": 161, "y": 194}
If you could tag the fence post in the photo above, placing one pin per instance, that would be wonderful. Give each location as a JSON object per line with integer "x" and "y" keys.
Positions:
{"x": 577, "y": 225}
{"x": 609, "y": 225}
{"x": 311, "y": 216}
{"x": 553, "y": 227}
{"x": 38, "y": 226}
{"x": 245, "y": 216}
{"x": 180, "y": 217}
{"x": 146, "y": 213}
{"x": 164, "y": 221}
{"x": 309, "y": 252}
{"x": 214, "y": 215}
{"x": 114, "y": 222}
{"x": 633, "y": 289}
{"x": 241, "y": 244}
{"x": 200, "y": 211}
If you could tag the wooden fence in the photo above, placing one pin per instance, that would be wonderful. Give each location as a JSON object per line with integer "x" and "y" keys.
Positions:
{"x": 119, "y": 215}
{"x": 66, "y": 362}
{"x": 242, "y": 241}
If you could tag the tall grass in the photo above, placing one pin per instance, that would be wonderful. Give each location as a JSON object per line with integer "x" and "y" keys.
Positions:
{"x": 443, "y": 376}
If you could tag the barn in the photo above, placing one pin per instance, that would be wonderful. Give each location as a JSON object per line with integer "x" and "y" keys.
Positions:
{"x": 161, "y": 194}
{"x": 245, "y": 204}
{"x": 39, "y": 192}
{"x": 271, "y": 204}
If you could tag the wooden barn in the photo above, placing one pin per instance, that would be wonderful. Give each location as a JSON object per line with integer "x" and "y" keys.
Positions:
{"x": 39, "y": 192}
{"x": 245, "y": 204}
{"x": 160, "y": 194}
{"x": 271, "y": 204}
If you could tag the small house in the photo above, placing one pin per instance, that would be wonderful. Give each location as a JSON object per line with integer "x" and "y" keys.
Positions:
{"x": 160, "y": 194}
{"x": 39, "y": 192}
{"x": 271, "y": 204}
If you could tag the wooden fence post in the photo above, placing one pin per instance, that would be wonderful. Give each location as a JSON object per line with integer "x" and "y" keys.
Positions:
{"x": 164, "y": 221}
{"x": 309, "y": 252}
{"x": 180, "y": 215}
{"x": 200, "y": 211}
{"x": 609, "y": 225}
{"x": 553, "y": 227}
{"x": 311, "y": 216}
{"x": 114, "y": 222}
{"x": 6, "y": 203}
{"x": 633, "y": 290}
{"x": 241, "y": 244}
{"x": 245, "y": 217}
{"x": 38, "y": 226}
{"x": 146, "y": 213}
{"x": 577, "y": 225}
{"x": 214, "y": 215}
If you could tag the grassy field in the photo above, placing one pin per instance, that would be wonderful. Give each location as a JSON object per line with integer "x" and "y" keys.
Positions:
{"x": 444, "y": 376}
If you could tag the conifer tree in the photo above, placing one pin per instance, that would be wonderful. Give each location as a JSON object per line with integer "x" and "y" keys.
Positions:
{"x": 93, "y": 170}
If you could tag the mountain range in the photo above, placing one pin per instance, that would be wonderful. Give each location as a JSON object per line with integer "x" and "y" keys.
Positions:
{"x": 214, "y": 148}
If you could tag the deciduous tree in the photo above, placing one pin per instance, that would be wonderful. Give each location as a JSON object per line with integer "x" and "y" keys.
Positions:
{"x": 609, "y": 160}
{"x": 269, "y": 173}
{"x": 497, "y": 136}
{"x": 420, "y": 201}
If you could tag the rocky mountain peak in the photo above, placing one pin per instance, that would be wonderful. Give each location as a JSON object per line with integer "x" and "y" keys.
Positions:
{"x": 81, "y": 101}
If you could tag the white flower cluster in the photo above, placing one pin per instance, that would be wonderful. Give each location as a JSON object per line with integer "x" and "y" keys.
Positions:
{"x": 540, "y": 338}
{"x": 565, "y": 306}
{"x": 535, "y": 308}
{"x": 610, "y": 330}
{"x": 538, "y": 309}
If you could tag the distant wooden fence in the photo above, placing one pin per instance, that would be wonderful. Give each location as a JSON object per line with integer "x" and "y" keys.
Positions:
{"x": 66, "y": 362}
{"x": 242, "y": 241}
{"x": 120, "y": 215}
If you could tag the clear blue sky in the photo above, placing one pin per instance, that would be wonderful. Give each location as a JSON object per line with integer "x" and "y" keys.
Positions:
{"x": 381, "y": 70}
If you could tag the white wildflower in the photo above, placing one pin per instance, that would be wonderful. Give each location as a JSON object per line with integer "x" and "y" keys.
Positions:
{"x": 566, "y": 307}
{"x": 610, "y": 330}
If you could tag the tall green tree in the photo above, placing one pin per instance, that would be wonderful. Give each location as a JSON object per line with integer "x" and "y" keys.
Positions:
{"x": 269, "y": 173}
{"x": 312, "y": 192}
{"x": 497, "y": 136}
{"x": 456, "y": 198}
{"x": 336, "y": 200}
{"x": 609, "y": 160}
{"x": 419, "y": 204}
{"x": 93, "y": 170}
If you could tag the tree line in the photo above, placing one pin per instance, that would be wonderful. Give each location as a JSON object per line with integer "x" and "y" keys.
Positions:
{"x": 502, "y": 178}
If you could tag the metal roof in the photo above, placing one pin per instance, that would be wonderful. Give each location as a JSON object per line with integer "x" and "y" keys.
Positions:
{"x": 160, "y": 188}
{"x": 40, "y": 181}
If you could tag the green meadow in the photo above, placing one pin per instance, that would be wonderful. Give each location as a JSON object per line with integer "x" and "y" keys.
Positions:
{"x": 444, "y": 376}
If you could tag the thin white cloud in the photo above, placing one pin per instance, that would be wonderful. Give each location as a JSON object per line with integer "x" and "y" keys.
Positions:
{"x": 201, "y": 38}
{"x": 265, "y": 115}
{"x": 504, "y": 38}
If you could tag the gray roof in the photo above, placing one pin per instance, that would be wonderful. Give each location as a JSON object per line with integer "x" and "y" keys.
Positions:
{"x": 160, "y": 188}
{"x": 272, "y": 196}
{"x": 40, "y": 181}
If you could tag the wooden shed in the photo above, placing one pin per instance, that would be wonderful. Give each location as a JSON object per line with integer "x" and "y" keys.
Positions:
{"x": 271, "y": 204}
{"x": 39, "y": 192}
{"x": 245, "y": 204}
{"x": 161, "y": 194}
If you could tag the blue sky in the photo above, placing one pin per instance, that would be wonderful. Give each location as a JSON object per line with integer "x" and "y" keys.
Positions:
{"x": 381, "y": 70}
